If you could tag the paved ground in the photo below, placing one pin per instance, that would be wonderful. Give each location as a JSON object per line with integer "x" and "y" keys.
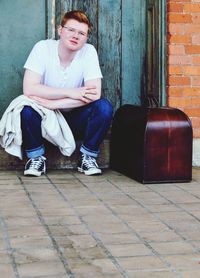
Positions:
{"x": 68, "y": 225}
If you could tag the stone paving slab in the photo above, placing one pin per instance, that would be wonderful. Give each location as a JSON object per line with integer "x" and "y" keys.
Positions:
{"x": 65, "y": 224}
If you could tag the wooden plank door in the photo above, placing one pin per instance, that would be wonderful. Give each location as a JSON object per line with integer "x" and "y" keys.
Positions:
{"x": 133, "y": 51}
{"x": 22, "y": 23}
{"x": 119, "y": 36}
{"x": 106, "y": 36}
{"x": 155, "y": 49}
{"x": 128, "y": 37}
{"x": 143, "y": 51}
{"x": 125, "y": 33}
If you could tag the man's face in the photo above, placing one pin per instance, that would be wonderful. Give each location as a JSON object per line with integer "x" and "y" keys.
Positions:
{"x": 73, "y": 34}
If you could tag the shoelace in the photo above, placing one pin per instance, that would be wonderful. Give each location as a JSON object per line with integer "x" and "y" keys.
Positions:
{"x": 89, "y": 161}
{"x": 36, "y": 162}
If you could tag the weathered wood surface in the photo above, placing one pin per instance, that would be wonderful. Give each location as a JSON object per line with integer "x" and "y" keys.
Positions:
{"x": 133, "y": 50}
{"x": 109, "y": 48}
{"x": 119, "y": 37}
{"x": 55, "y": 160}
{"x": 50, "y": 19}
{"x": 17, "y": 38}
{"x": 90, "y": 7}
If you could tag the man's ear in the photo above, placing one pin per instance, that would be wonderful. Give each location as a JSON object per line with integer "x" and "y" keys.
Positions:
{"x": 59, "y": 29}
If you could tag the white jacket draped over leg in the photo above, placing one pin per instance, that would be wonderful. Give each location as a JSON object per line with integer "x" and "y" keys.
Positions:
{"x": 54, "y": 127}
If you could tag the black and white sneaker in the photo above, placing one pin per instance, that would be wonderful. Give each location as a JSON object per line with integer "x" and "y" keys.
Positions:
{"x": 35, "y": 166}
{"x": 88, "y": 165}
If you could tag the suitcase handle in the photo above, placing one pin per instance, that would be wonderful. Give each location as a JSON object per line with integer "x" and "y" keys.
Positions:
{"x": 151, "y": 102}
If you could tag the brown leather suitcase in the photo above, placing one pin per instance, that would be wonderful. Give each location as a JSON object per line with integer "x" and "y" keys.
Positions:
{"x": 152, "y": 145}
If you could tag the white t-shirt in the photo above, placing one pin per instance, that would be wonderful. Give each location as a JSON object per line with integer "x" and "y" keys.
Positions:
{"x": 44, "y": 60}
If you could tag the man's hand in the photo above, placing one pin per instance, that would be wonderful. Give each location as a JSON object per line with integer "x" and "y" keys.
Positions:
{"x": 32, "y": 87}
{"x": 86, "y": 94}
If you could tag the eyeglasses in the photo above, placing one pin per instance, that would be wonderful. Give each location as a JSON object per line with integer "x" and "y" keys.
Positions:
{"x": 72, "y": 31}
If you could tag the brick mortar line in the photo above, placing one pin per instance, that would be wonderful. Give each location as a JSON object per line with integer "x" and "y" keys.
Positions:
{"x": 184, "y": 210}
{"x": 149, "y": 211}
{"x": 178, "y": 206}
{"x": 189, "y": 192}
{"x": 167, "y": 264}
{"x": 9, "y": 249}
{"x": 135, "y": 232}
{"x": 92, "y": 233}
{"x": 42, "y": 221}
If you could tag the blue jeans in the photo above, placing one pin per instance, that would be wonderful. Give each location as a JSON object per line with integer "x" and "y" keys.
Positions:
{"x": 89, "y": 123}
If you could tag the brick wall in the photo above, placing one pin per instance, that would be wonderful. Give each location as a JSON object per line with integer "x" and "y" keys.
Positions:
{"x": 184, "y": 58}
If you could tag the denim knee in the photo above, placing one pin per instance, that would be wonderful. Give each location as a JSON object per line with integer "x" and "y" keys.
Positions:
{"x": 28, "y": 114}
{"x": 104, "y": 109}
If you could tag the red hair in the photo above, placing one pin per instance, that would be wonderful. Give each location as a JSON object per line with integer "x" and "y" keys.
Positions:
{"x": 80, "y": 16}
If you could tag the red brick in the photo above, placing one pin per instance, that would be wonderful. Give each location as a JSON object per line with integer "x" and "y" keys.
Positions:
{"x": 178, "y": 81}
{"x": 176, "y": 70}
{"x": 195, "y": 81}
{"x": 193, "y": 92}
{"x": 196, "y": 133}
{"x": 179, "y": 39}
{"x": 196, "y": 39}
{"x": 176, "y": 49}
{"x": 179, "y": 1}
{"x": 196, "y": 19}
{"x": 183, "y": 59}
{"x": 179, "y": 60}
{"x": 195, "y": 102}
{"x": 195, "y": 122}
{"x": 191, "y": 8}
{"x": 175, "y": 91}
{"x": 175, "y": 7}
{"x": 179, "y": 102}
{"x": 196, "y": 60}
{"x": 192, "y": 49}
{"x": 191, "y": 70}
{"x": 191, "y": 29}
{"x": 176, "y": 28}
{"x": 179, "y": 18}
{"x": 192, "y": 112}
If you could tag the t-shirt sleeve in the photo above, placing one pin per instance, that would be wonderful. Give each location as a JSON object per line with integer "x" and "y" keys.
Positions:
{"x": 92, "y": 68}
{"x": 36, "y": 58}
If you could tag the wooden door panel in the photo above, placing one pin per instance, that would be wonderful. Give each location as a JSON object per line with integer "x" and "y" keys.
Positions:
{"x": 133, "y": 50}
{"x": 125, "y": 33}
{"x": 109, "y": 48}
{"x": 106, "y": 37}
{"x": 155, "y": 50}
{"x": 22, "y": 23}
